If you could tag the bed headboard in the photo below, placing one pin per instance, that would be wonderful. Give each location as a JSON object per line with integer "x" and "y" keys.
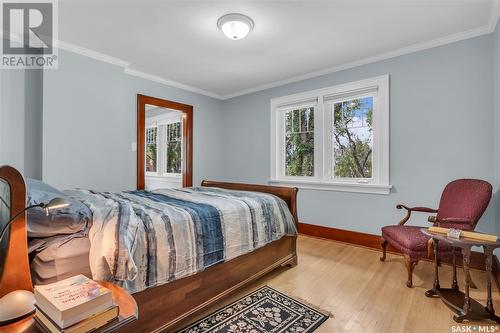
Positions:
{"x": 14, "y": 264}
{"x": 288, "y": 194}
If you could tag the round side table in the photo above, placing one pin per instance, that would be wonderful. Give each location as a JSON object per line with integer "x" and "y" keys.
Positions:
{"x": 464, "y": 306}
{"x": 127, "y": 313}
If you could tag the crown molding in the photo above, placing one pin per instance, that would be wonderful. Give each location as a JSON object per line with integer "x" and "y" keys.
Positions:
{"x": 495, "y": 14}
{"x": 483, "y": 30}
{"x": 170, "y": 83}
{"x": 91, "y": 53}
{"x": 128, "y": 70}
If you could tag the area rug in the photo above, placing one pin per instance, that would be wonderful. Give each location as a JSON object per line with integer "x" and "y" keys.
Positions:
{"x": 265, "y": 310}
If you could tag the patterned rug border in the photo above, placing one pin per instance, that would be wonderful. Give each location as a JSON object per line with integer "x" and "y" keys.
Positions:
{"x": 305, "y": 303}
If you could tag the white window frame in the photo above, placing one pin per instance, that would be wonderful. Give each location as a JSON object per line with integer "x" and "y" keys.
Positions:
{"x": 161, "y": 123}
{"x": 378, "y": 87}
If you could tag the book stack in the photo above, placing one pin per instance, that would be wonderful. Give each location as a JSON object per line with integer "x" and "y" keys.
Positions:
{"x": 74, "y": 305}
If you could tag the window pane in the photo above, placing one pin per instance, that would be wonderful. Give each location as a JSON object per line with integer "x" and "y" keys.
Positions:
{"x": 151, "y": 149}
{"x": 174, "y": 148}
{"x": 299, "y": 142}
{"x": 174, "y": 157}
{"x": 353, "y": 138}
{"x": 288, "y": 122}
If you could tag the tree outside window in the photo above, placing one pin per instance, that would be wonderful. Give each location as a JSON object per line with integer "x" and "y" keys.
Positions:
{"x": 299, "y": 142}
{"x": 151, "y": 149}
{"x": 353, "y": 138}
{"x": 174, "y": 148}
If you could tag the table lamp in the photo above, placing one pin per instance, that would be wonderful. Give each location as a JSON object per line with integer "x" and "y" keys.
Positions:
{"x": 21, "y": 303}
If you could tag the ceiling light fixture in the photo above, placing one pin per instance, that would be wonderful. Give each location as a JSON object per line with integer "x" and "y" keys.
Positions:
{"x": 235, "y": 26}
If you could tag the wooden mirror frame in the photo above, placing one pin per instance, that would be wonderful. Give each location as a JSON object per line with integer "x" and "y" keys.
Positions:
{"x": 187, "y": 137}
{"x": 16, "y": 273}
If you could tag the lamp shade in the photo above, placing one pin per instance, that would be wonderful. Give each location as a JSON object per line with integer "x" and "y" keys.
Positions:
{"x": 56, "y": 203}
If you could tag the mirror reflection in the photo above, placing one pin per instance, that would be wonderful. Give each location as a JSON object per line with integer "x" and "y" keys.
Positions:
{"x": 4, "y": 218}
{"x": 164, "y": 148}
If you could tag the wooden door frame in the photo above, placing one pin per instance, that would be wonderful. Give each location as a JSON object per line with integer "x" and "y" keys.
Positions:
{"x": 187, "y": 137}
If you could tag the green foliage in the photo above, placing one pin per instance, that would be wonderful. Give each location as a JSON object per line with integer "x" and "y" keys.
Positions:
{"x": 299, "y": 142}
{"x": 174, "y": 148}
{"x": 174, "y": 157}
{"x": 352, "y": 140}
{"x": 352, "y": 152}
{"x": 151, "y": 158}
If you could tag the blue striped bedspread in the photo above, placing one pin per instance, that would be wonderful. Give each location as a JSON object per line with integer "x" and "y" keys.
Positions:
{"x": 141, "y": 239}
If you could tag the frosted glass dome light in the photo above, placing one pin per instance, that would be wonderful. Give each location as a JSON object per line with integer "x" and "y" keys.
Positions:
{"x": 235, "y": 26}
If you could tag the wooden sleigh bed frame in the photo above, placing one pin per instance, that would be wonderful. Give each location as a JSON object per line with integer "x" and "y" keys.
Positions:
{"x": 171, "y": 306}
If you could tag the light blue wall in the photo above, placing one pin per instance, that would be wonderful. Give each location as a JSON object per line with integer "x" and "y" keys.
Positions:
{"x": 496, "y": 97}
{"x": 33, "y": 128}
{"x": 21, "y": 120}
{"x": 441, "y": 129}
{"x": 89, "y": 124}
{"x": 12, "y": 99}
{"x": 496, "y": 100}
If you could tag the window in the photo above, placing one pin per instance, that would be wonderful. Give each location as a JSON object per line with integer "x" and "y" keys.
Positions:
{"x": 164, "y": 147}
{"x": 299, "y": 142}
{"x": 151, "y": 148}
{"x": 352, "y": 138}
{"x": 335, "y": 138}
{"x": 173, "y": 156}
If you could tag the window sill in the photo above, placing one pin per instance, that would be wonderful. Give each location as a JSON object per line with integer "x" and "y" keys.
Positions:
{"x": 335, "y": 186}
{"x": 164, "y": 177}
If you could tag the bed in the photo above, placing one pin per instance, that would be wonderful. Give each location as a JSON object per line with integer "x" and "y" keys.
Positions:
{"x": 170, "y": 301}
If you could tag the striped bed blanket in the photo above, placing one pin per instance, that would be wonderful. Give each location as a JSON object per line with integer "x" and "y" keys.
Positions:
{"x": 141, "y": 239}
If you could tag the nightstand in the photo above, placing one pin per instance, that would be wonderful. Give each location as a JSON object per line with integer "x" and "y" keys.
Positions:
{"x": 127, "y": 314}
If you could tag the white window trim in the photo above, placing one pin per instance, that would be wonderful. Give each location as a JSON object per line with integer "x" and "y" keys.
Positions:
{"x": 168, "y": 176}
{"x": 379, "y": 183}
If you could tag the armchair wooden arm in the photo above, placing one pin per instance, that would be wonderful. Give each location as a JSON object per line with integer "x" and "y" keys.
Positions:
{"x": 455, "y": 220}
{"x": 414, "y": 209}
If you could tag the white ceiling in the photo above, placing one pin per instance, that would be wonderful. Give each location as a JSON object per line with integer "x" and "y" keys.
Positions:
{"x": 179, "y": 41}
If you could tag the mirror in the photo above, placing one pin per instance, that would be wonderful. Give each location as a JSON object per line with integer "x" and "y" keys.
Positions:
{"x": 4, "y": 219}
{"x": 164, "y": 143}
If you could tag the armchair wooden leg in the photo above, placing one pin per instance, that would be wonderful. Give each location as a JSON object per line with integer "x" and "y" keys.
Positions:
{"x": 410, "y": 265}
{"x": 383, "y": 243}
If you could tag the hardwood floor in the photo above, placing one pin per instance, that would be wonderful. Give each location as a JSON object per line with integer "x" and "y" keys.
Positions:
{"x": 364, "y": 294}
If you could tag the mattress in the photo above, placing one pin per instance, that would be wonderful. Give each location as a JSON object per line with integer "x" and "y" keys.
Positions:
{"x": 59, "y": 257}
{"x": 141, "y": 239}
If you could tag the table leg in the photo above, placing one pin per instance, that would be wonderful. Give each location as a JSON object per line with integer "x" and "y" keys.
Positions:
{"x": 466, "y": 257}
{"x": 465, "y": 315}
{"x": 489, "y": 258}
{"x": 454, "y": 283}
{"x": 435, "y": 287}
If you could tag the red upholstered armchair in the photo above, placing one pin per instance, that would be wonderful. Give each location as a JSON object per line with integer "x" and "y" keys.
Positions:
{"x": 462, "y": 204}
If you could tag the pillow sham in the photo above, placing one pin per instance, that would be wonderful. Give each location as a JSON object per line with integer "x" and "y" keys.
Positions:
{"x": 74, "y": 218}
{"x": 60, "y": 257}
